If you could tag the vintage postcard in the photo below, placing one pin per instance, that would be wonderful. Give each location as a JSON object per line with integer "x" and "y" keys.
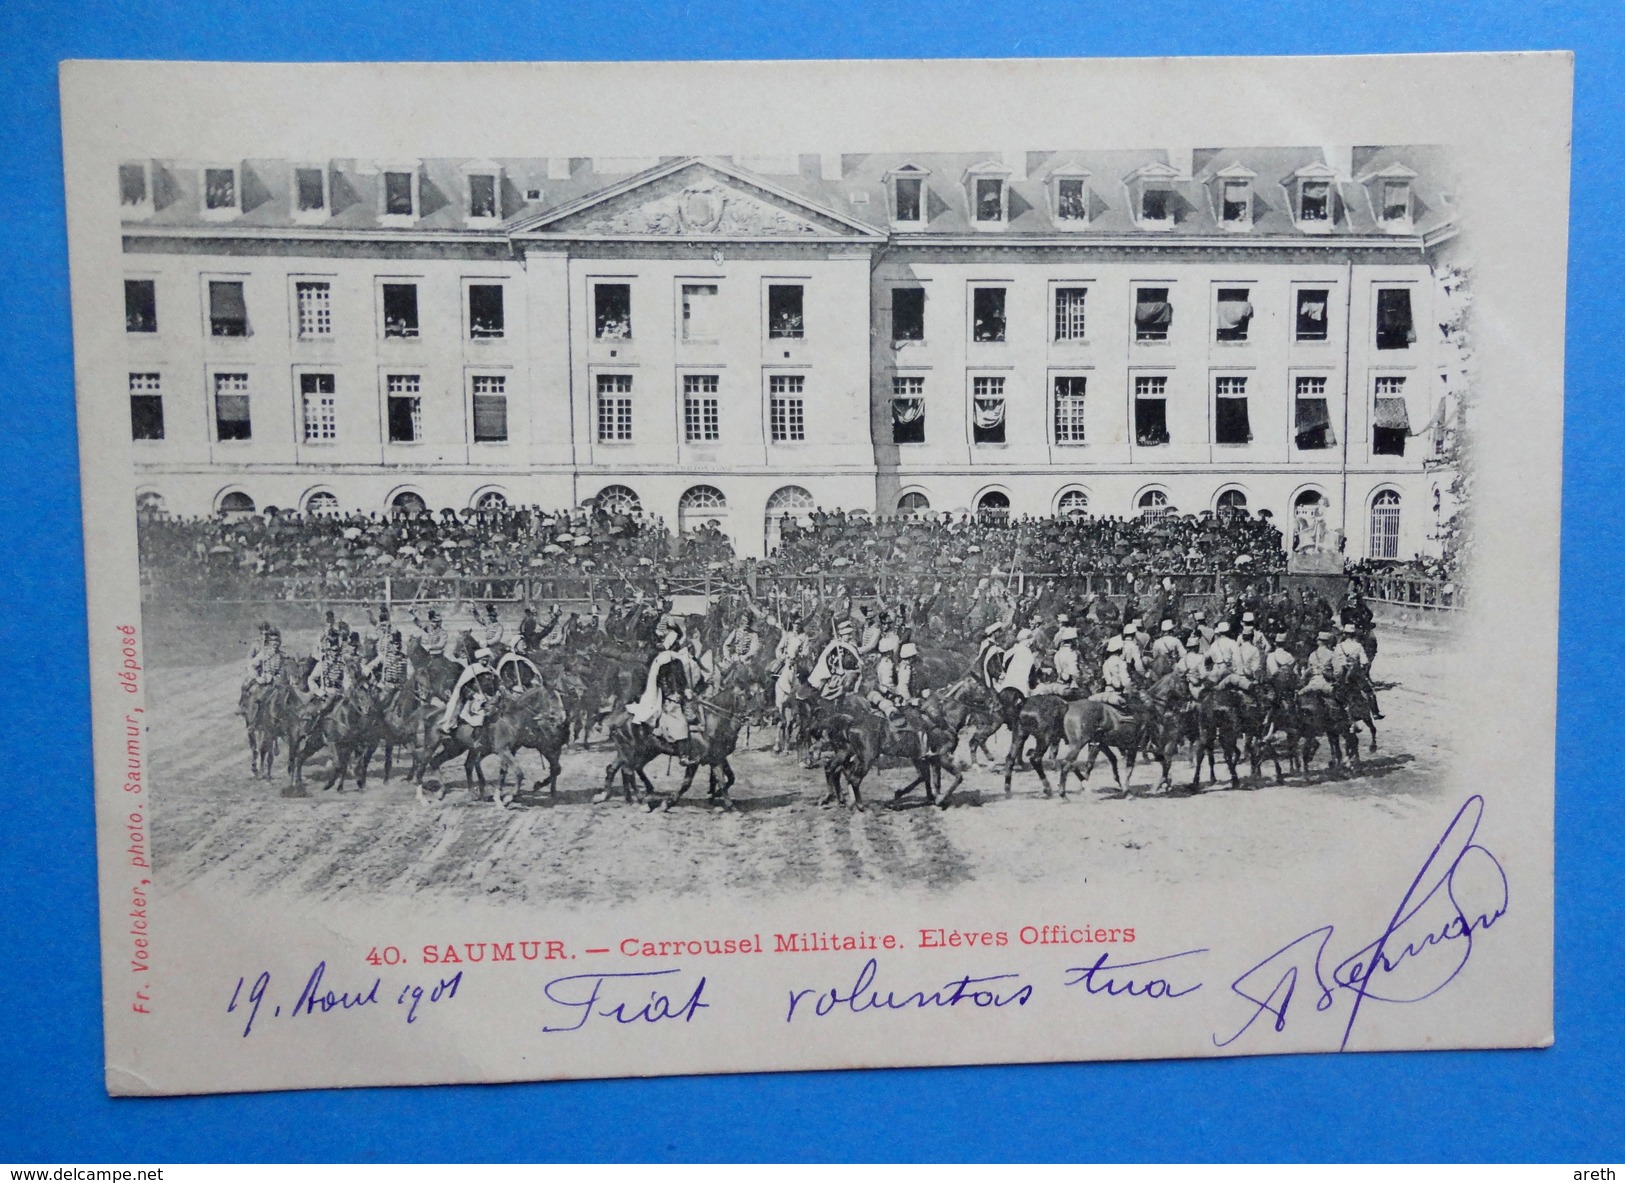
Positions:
{"x": 632, "y": 569}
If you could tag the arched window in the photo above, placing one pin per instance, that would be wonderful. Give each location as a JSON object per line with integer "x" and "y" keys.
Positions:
{"x": 1311, "y": 532}
{"x": 993, "y": 505}
{"x": 1072, "y": 504}
{"x": 491, "y": 500}
{"x": 790, "y": 501}
{"x": 619, "y": 499}
{"x": 1153, "y": 503}
{"x": 701, "y": 505}
{"x": 321, "y": 502}
{"x": 912, "y": 505}
{"x": 150, "y": 503}
{"x": 409, "y": 503}
{"x": 236, "y": 502}
{"x": 1385, "y": 525}
{"x": 1232, "y": 503}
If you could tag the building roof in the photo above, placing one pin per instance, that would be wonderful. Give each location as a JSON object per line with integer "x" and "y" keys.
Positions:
{"x": 853, "y": 197}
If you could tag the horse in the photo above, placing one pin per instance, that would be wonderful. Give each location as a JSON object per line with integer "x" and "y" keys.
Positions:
{"x": 1219, "y": 715}
{"x": 265, "y": 712}
{"x": 1041, "y": 717}
{"x": 497, "y": 736}
{"x": 725, "y": 713}
{"x": 1323, "y": 715}
{"x": 343, "y": 726}
{"x": 860, "y": 737}
{"x": 977, "y": 708}
{"x": 1158, "y": 729}
{"x": 542, "y": 734}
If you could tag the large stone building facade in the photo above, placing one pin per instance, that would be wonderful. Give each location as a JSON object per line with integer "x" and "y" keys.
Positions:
{"x": 733, "y": 339}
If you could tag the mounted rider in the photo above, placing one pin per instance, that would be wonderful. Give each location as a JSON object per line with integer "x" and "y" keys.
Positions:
{"x": 493, "y": 633}
{"x": 1116, "y": 675}
{"x": 1322, "y": 669}
{"x": 475, "y": 695}
{"x": 1166, "y": 651}
{"x": 787, "y": 658}
{"x": 742, "y": 644}
{"x": 896, "y": 692}
{"x": 839, "y": 667}
{"x": 1067, "y": 665}
{"x": 1250, "y": 649}
{"x": 1357, "y": 666}
{"x": 434, "y": 634}
{"x": 390, "y": 669}
{"x": 667, "y": 704}
{"x": 1020, "y": 669}
{"x": 265, "y": 670}
{"x": 1224, "y": 654}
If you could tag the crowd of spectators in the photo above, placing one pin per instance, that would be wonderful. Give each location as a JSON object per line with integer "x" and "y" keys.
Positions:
{"x": 1077, "y": 545}
{"x": 288, "y": 555}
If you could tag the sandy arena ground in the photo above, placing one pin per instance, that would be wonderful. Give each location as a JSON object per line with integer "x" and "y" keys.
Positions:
{"x": 216, "y": 826}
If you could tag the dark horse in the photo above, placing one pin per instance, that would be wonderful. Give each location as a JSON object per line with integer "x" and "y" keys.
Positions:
{"x": 1040, "y": 717}
{"x": 1157, "y": 728}
{"x": 860, "y": 737}
{"x": 711, "y": 745}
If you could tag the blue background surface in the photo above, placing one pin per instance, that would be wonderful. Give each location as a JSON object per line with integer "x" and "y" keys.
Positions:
{"x": 1565, "y": 1104}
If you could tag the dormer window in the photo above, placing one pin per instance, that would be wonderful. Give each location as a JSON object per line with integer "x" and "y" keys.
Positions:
{"x": 908, "y": 196}
{"x": 400, "y": 194}
{"x": 1069, "y": 196}
{"x": 222, "y": 195}
{"x": 1152, "y": 196}
{"x": 1235, "y": 198}
{"x": 484, "y": 185}
{"x": 310, "y": 193}
{"x": 1312, "y": 193}
{"x": 989, "y": 196}
{"x": 135, "y": 189}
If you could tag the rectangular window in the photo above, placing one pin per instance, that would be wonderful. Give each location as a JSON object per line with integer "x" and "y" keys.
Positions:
{"x": 612, "y": 311}
{"x": 1230, "y": 422}
{"x": 987, "y": 314}
{"x": 319, "y": 407}
{"x": 700, "y": 413}
{"x": 405, "y": 408}
{"x": 1156, "y": 205}
{"x": 315, "y": 307}
{"x": 1391, "y": 420}
{"x": 485, "y": 311}
{"x": 1237, "y": 202}
{"x": 228, "y": 311}
{"x": 1315, "y": 201}
{"x": 140, "y": 306}
{"x": 231, "y": 418}
{"x": 400, "y": 310}
{"x": 309, "y": 189}
{"x": 1395, "y": 328}
{"x": 220, "y": 188}
{"x": 146, "y": 408}
{"x": 614, "y": 408}
{"x": 1311, "y": 314}
{"x": 1234, "y": 315}
{"x": 987, "y": 410}
{"x": 1153, "y": 314}
{"x": 490, "y": 409}
{"x": 989, "y": 199}
{"x": 699, "y": 311}
{"x": 908, "y": 314}
{"x": 787, "y": 420}
{"x": 132, "y": 184}
{"x": 1071, "y": 200}
{"x": 1311, "y": 415}
{"x": 784, "y": 318}
{"x": 1069, "y": 319}
{"x": 1150, "y": 410}
{"x": 908, "y": 409}
{"x": 398, "y": 195}
{"x": 1069, "y": 392}
{"x": 909, "y": 191}
{"x": 482, "y": 195}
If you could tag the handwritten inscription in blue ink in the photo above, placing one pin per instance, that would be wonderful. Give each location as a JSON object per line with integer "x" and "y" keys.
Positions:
{"x": 604, "y": 996}
{"x": 314, "y": 1000}
{"x": 1461, "y": 890}
{"x": 995, "y": 991}
{"x": 1152, "y": 977}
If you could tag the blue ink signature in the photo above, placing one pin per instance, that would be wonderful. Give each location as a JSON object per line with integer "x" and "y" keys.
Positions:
{"x": 1103, "y": 977}
{"x": 589, "y": 996}
{"x": 1460, "y": 890}
{"x": 865, "y": 996}
{"x": 313, "y": 1000}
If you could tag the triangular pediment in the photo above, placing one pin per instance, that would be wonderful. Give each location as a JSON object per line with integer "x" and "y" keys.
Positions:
{"x": 695, "y": 199}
